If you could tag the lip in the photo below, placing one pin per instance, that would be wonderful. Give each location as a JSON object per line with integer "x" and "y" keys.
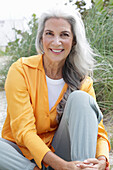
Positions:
{"x": 57, "y": 51}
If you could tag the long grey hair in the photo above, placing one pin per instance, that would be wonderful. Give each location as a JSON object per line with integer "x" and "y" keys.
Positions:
{"x": 80, "y": 61}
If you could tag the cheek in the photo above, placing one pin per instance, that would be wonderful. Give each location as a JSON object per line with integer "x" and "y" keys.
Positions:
{"x": 68, "y": 44}
{"x": 45, "y": 42}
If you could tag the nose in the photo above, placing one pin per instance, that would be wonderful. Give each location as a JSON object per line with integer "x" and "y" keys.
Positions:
{"x": 56, "y": 41}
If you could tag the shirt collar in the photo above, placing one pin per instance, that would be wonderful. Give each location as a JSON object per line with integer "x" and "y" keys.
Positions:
{"x": 35, "y": 61}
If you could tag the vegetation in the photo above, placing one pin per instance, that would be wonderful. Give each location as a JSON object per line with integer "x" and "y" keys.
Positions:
{"x": 99, "y": 32}
{"x": 22, "y": 46}
{"x": 99, "y": 29}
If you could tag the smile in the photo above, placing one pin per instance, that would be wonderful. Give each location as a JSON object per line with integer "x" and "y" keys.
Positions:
{"x": 57, "y": 50}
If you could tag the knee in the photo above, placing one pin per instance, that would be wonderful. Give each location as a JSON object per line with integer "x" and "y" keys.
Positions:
{"x": 84, "y": 103}
{"x": 78, "y": 104}
{"x": 80, "y": 97}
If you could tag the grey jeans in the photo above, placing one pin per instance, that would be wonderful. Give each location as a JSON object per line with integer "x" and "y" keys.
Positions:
{"x": 75, "y": 138}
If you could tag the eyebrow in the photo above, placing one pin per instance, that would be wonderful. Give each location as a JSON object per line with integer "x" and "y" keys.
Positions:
{"x": 48, "y": 31}
{"x": 61, "y": 32}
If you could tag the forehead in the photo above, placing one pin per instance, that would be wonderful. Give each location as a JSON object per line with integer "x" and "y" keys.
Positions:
{"x": 57, "y": 24}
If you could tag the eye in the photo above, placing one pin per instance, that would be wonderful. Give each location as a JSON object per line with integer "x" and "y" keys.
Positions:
{"x": 49, "y": 33}
{"x": 65, "y": 34}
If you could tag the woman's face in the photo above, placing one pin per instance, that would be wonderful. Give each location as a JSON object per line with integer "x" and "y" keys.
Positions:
{"x": 57, "y": 39}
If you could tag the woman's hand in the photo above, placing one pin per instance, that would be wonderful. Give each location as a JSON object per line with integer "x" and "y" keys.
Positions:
{"x": 58, "y": 163}
{"x": 75, "y": 165}
{"x": 93, "y": 163}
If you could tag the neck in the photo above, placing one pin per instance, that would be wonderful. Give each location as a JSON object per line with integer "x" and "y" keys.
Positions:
{"x": 53, "y": 69}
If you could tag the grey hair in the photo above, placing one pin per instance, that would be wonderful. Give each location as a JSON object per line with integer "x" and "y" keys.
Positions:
{"x": 80, "y": 61}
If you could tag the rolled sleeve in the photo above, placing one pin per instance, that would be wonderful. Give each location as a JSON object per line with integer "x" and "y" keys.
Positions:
{"x": 102, "y": 148}
{"x": 103, "y": 144}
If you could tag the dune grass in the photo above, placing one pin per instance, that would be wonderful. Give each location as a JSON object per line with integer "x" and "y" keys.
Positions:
{"x": 99, "y": 30}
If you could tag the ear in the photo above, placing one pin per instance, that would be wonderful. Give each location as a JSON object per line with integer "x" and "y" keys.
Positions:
{"x": 74, "y": 43}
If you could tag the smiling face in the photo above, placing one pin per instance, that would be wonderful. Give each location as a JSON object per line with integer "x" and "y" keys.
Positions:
{"x": 57, "y": 40}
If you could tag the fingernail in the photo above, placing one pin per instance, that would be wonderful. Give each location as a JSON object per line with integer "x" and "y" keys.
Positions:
{"x": 77, "y": 165}
{"x": 86, "y": 161}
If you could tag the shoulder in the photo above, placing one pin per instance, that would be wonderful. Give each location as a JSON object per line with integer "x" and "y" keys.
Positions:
{"x": 87, "y": 86}
{"x": 31, "y": 62}
{"x": 22, "y": 67}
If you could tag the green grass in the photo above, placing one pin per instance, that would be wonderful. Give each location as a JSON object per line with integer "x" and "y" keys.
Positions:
{"x": 99, "y": 30}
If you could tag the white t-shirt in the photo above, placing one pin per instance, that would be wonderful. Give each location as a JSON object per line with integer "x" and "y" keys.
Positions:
{"x": 54, "y": 89}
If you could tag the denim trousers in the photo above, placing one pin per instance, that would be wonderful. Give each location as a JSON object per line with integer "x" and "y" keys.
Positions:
{"x": 74, "y": 140}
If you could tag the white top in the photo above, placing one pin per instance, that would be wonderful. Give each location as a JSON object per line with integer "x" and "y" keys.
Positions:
{"x": 54, "y": 89}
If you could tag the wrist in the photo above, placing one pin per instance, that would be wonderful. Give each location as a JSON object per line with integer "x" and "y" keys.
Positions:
{"x": 54, "y": 161}
{"x": 104, "y": 159}
{"x": 61, "y": 164}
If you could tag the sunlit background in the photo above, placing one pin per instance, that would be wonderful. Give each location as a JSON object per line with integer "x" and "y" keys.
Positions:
{"x": 19, "y": 9}
{"x": 16, "y": 14}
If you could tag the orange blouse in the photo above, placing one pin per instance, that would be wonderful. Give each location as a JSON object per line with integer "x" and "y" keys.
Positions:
{"x": 29, "y": 123}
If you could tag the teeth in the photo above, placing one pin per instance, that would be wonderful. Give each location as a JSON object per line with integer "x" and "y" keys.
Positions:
{"x": 56, "y": 51}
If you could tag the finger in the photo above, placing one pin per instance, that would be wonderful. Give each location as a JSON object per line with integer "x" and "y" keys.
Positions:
{"x": 90, "y": 168}
{"x": 77, "y": 162}
{"x": 85, "y": 165}
{"x": 91, "y": 160}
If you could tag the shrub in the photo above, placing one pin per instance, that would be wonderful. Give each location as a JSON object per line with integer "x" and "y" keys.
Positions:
{"x": 22, "y": 46}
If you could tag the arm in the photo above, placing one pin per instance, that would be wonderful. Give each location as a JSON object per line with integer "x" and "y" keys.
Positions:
{"x": 58, "y": 163}
{"x": 22, "y": 120}
{"x": 54, "y": 161}
{"x": 103, "y": 145}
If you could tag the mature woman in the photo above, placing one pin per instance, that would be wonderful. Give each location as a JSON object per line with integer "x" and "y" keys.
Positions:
{"x": 52, "y": 118}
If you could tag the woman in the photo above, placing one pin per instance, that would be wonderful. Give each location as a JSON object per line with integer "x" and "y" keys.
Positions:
{"x": 50, "y": 107}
